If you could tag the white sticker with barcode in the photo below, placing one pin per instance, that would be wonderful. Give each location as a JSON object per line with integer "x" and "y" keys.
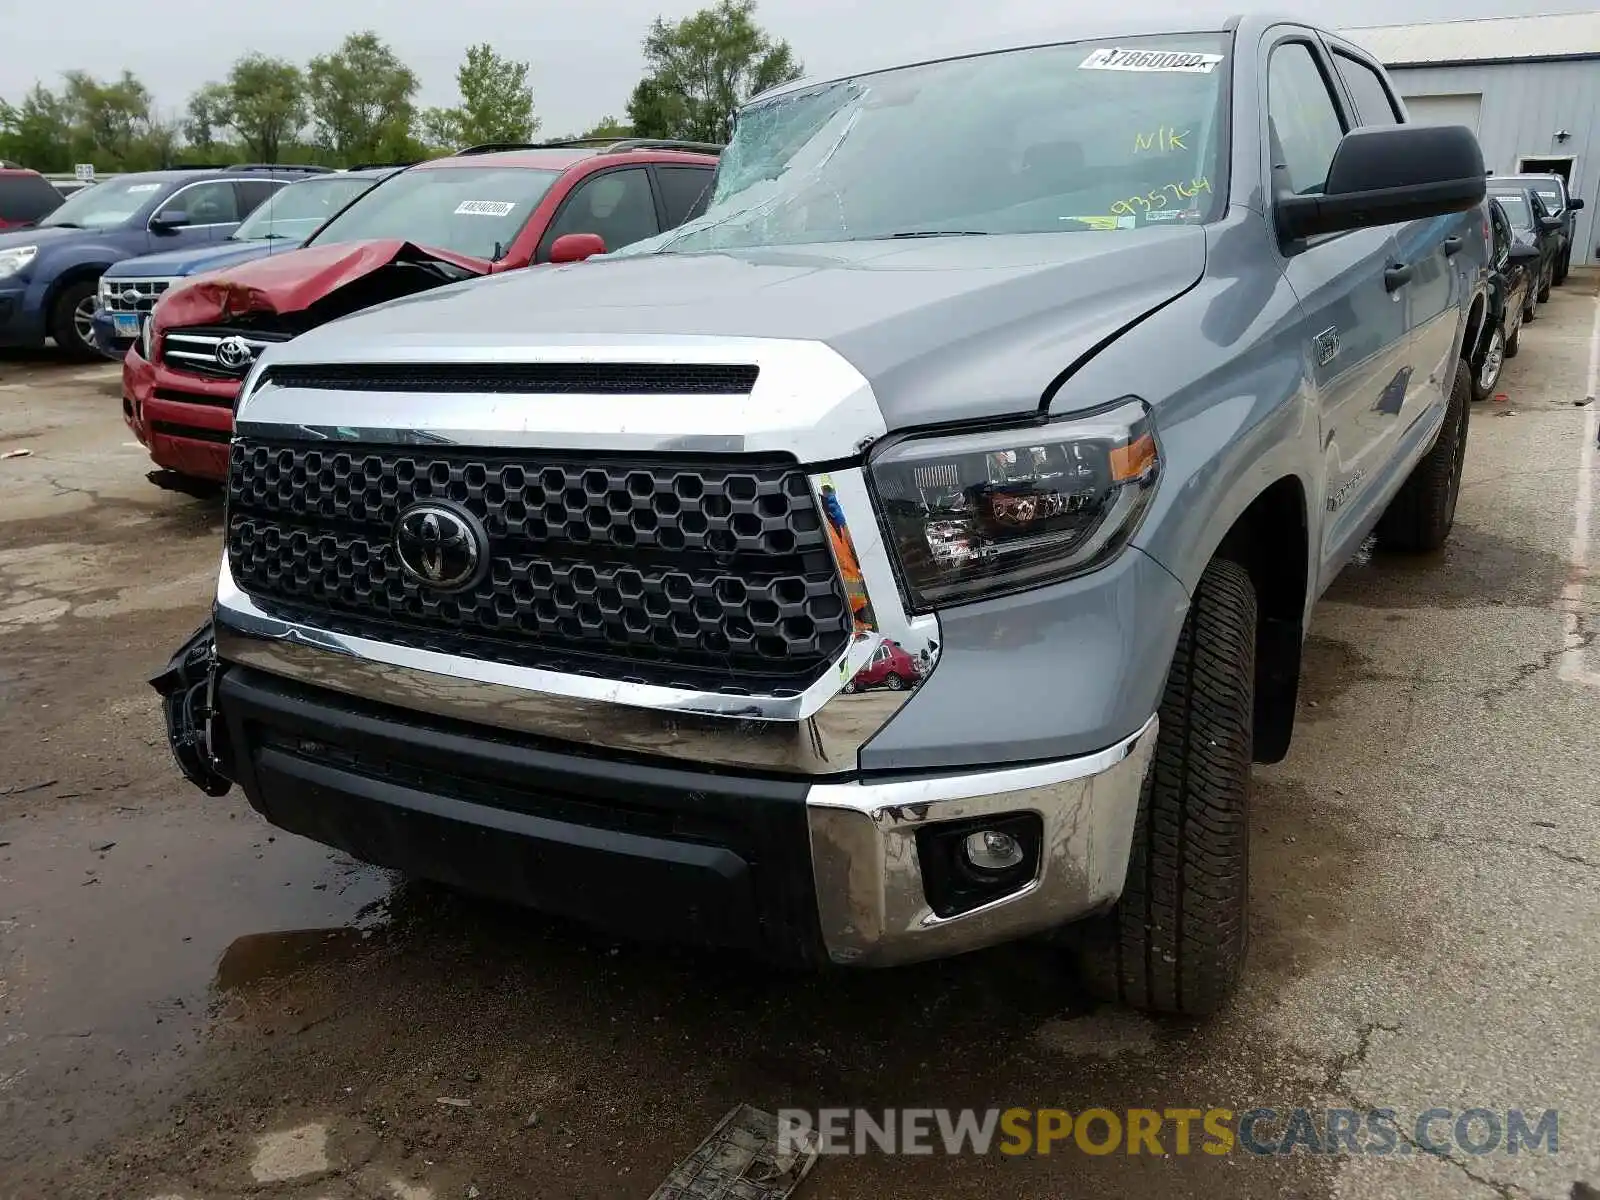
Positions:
{"x": 485, "y": 208}
{"x": 1184, "y": 61}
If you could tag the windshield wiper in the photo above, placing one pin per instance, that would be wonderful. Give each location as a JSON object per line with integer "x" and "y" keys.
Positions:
{"x": 922, "y": 233}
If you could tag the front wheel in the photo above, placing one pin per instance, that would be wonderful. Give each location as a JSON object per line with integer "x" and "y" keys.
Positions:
{"x": 1515, "y": 344}
{"x": 1176, "y": 941}
{"x": 1564, "y": 267}
{"x": 1544, "y": 283}
{"x": 1490, "y": 365}
{"x": 72, "y": 321}
{"x": 1420, "y": 517}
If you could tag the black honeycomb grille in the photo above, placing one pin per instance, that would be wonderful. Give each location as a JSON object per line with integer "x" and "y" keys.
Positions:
{"x": 714, "y": 576}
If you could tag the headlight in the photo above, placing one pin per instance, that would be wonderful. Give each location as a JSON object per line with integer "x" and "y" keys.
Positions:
{"x": 980, "y": 514}
{"x": 14, "y": 259}
{"x": 147, "y": 337}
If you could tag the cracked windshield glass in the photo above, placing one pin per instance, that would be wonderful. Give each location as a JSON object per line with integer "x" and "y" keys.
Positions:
{"x": 1065, "y": 138}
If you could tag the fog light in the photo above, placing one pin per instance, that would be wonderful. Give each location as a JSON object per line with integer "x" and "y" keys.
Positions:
{"x": 992, "y": 850}
{"x": 967, "y": 864}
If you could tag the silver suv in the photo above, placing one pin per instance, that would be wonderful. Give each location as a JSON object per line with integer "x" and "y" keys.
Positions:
{"x": 909, "y": 554}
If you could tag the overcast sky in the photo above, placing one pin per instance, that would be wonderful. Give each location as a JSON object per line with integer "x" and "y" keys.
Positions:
{"x": 585, "y": 57}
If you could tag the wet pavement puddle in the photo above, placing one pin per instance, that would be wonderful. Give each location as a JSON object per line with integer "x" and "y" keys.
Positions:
{"x": 120, "y": 932}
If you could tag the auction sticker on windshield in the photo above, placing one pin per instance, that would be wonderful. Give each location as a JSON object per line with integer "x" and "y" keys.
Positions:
{"x": 485, "y": 208}
{"x": 1187, "y": 62}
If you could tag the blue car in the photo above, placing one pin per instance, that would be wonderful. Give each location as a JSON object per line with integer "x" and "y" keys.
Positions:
{"x": 130, "y": 289}
{"x": 50, "y": 273}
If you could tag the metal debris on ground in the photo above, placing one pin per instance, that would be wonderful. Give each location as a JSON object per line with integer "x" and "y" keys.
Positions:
{"x": 452, "y": 1102}
{"x": 741, "y": 1160}
{"x": 16, "y": 454}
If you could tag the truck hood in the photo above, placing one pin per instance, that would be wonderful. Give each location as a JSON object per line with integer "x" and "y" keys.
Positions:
{"x": 314, "y": 284}
{"x": 944, "y": 329}
{"x": 175, "y": 264}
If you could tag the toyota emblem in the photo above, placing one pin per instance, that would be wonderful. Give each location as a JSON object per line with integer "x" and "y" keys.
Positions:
{"x": 441, "y": 547}
{"x": 234, "y": 353}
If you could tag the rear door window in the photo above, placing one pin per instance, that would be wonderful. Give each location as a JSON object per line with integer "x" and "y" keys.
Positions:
{"x": 684, "y": 192}
{"x": 253, "y": 193}
{"x": 1374, "y": 105}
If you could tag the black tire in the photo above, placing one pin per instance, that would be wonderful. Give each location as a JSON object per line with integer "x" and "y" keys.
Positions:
{"x": 1563, "y": 267}
{"x": 1544, "y": 284}
{"x": 1514, "y": 345}
{"x": 1176, "y": 941}
{"x": 1487, "y": 370}
{"x": 1419, "y": 518}
{"x": 896, "y": 684}
{"x": 66, "y": 321}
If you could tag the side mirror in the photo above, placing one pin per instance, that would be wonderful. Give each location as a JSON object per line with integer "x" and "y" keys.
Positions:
{"x": 171, "y": 218}
{"x": 1549, "y": 224}
{"x": 1574, "y": 203}
{"x": 575, "y": 247}
{"x": 1387, "y": 175}
{"x": 1522, "y": 252}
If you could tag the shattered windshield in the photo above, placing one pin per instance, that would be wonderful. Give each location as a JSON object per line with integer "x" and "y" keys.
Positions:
{"x": 1083, "y": 136}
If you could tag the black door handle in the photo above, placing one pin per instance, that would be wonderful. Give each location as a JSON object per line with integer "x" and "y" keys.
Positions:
{"x": 1452, "y": 246}
{"x": 1396, "y": 277}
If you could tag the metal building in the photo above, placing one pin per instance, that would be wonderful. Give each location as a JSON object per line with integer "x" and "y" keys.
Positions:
{"x": 1529, "y": 87}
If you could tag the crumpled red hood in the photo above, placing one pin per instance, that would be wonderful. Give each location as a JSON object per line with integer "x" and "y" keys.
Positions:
{"x": 290, "y": 282}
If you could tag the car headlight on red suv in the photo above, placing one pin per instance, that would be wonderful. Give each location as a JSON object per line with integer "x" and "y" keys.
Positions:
{"x": 147, "y": 338}
{"x": 972, "y": 515}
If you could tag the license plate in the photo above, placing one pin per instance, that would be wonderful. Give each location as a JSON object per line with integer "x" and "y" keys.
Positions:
{"x": 126, "y": 324}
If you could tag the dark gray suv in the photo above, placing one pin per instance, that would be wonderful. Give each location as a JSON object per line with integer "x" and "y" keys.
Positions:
{"x": 909, "y": 554}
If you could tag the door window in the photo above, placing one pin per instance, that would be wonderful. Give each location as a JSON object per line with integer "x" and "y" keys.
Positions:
{"x": 1373, "y": 103}
{"x": 206, "y": 203}
{"x": 617, "y": 205}
{"x": 684, "y": 192}
{"x": 254, "y": 192}
{"x": 1303, "y": 118}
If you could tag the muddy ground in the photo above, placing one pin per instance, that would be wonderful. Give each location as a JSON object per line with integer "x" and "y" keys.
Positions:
{"x": 192, "y": 1005}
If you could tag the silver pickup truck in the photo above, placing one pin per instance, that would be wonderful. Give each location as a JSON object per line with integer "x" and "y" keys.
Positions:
{"x": 910, "y": 554}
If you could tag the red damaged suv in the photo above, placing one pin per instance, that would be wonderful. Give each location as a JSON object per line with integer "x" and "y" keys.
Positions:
{"x": 483, "y": 211}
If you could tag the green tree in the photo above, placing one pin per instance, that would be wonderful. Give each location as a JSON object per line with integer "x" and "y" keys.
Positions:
{"x": 608, "y": 126}
{"x": 209, "y": 110}
{"x": 37, "y": 133}
{"x": 361, "y": 99}
{"x": 440, "y": 129}
{"x": 266, "y": 104}
{"x": 496, "y": 101}
{"x": 700, "y": 69}
{"x": 156, "y": 148}
{"x": 107, "y": 117}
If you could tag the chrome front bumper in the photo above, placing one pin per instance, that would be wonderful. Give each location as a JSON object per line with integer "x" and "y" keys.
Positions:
{"x": 870, "y": 893}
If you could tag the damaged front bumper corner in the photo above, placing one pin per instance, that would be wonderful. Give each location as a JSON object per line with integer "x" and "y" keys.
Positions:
{"x": 187, "y": 688}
